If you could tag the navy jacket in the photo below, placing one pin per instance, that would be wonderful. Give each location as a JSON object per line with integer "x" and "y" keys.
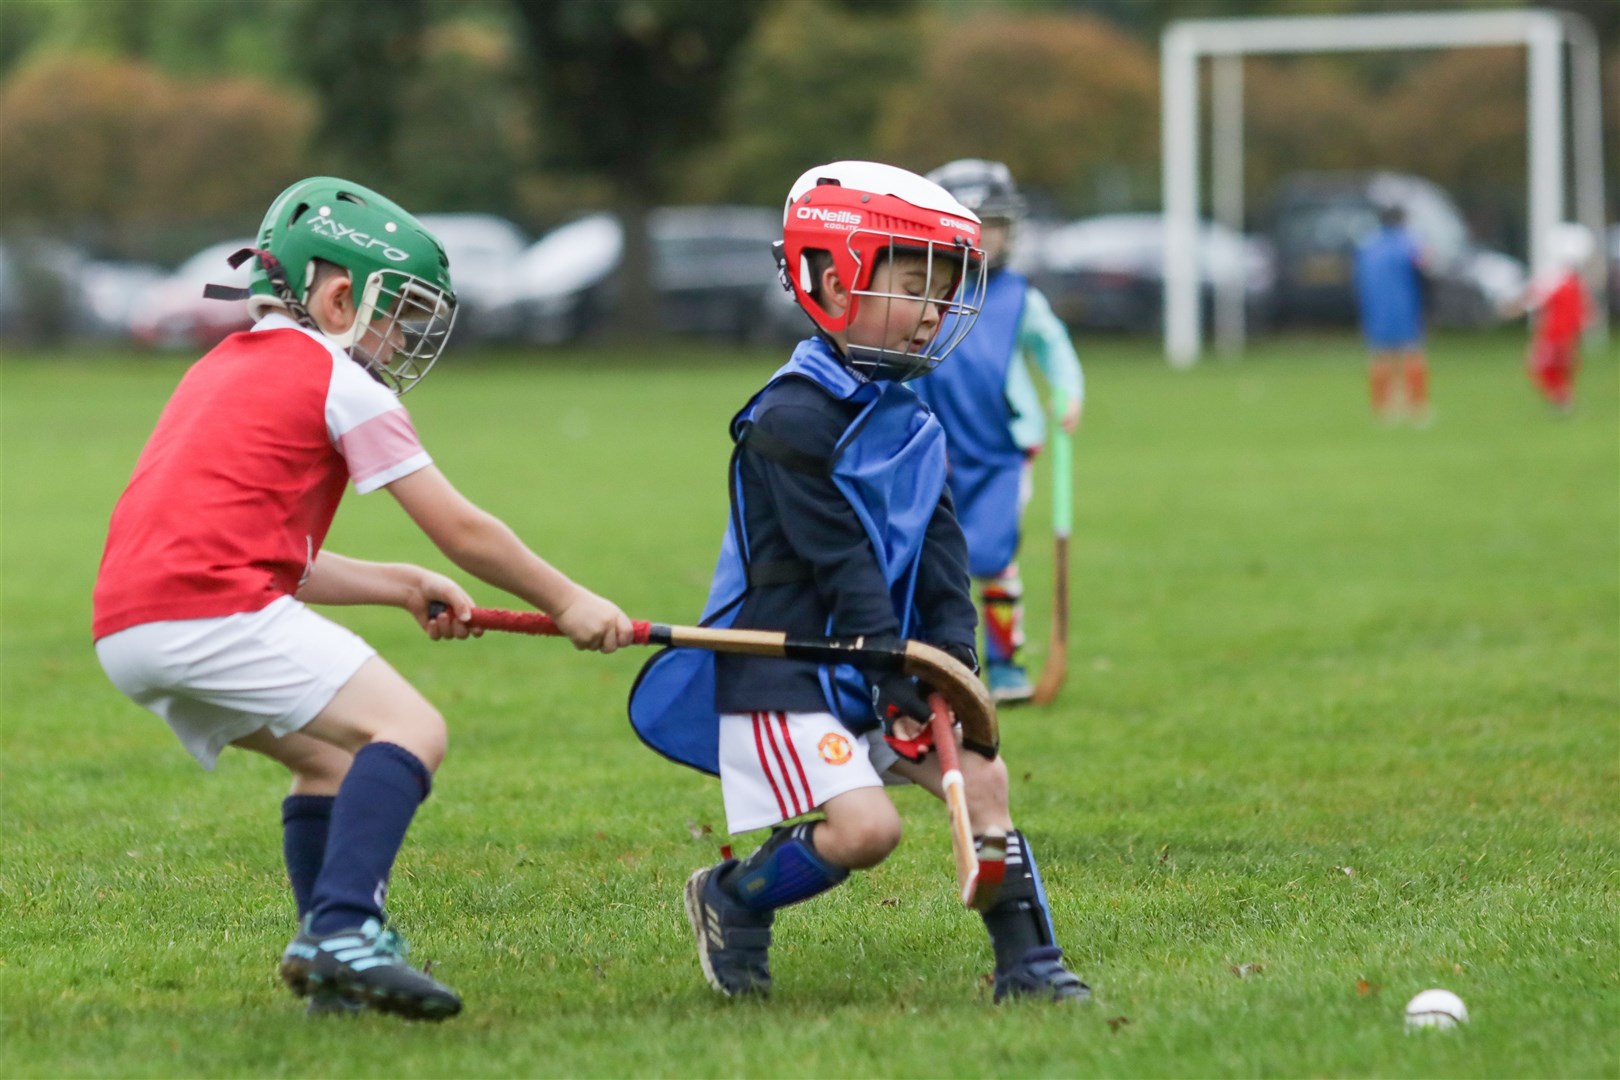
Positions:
{"x": 801, "y": 531}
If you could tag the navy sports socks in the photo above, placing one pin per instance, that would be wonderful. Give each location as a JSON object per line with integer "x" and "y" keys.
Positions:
{"x": 373, "y": 808}
{"x": 304, "y": 820}
{"x": 785, "y": 870}
{"x": 1021, "y": 919}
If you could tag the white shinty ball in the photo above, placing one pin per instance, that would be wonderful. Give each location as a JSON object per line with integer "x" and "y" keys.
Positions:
{"x": 1440, "y": 1009}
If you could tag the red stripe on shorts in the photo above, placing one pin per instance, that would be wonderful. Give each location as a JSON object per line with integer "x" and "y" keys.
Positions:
{"x": 765, "y": 763}
{"x": 809, "y": 796}
{"x": 782, "y": 762}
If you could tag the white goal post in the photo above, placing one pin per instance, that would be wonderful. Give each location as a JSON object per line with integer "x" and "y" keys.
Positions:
{"x": 1544, "y": 34}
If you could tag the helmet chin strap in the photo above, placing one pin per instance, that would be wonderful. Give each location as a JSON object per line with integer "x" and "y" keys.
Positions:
{"x": 278, "y": 281}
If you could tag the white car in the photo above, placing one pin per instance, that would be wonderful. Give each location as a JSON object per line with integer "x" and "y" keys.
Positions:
{"x": 563, "y": 282}
{"x": 483, "y": 250}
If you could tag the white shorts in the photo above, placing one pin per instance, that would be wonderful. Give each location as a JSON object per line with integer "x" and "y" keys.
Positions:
{"x": 216, "y": 680}
{"x": 777, "y": 766}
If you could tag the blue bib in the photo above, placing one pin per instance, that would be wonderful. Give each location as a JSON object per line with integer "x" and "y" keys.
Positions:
{"x": 968, "y": 392}
{"x": 890, "y": 466}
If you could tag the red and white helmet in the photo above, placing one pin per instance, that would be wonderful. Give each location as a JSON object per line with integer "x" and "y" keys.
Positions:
{"x": 862, "y": 212}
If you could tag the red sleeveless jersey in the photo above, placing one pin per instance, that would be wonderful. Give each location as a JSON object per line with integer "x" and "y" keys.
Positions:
{"x": 236, "y": 489}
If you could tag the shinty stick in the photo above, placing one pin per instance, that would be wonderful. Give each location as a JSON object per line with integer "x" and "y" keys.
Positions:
{"x": 955, "y": 685}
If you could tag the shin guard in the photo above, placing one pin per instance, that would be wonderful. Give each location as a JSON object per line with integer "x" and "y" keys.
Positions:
{"x": 1021, "y": 919}
{"x": 1003, "y": 600}
{"x": 785, "y": 870}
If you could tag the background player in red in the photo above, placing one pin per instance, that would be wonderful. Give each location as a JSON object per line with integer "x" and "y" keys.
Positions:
{"x": 1559, "y": 302}
{"x": 216, "y": 545}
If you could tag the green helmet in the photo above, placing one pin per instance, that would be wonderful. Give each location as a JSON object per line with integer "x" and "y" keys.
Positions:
{"x": 399, "y": 271}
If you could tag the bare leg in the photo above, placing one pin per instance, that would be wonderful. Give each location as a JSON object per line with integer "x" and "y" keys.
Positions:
{"x": 861, "y": 828}
{"x": 378, "y": 705}
{"x": 985, "y": 783}
{"x": 1415, "y": 378}
{"x": 317, "y": 767}
{"x": 1381, "y": 383}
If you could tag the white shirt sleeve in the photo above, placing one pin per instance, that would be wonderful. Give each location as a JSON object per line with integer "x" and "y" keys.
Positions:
{"x": 370, "y": 428}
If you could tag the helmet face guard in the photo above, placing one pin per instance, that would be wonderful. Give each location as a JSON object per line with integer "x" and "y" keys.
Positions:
{"x": 401, "y": 325}
{"x": 959, "y": 268}
{"x": 864, "y": 215}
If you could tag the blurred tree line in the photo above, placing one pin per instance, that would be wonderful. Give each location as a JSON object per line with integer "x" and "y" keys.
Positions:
{"x": 149, "y": 127}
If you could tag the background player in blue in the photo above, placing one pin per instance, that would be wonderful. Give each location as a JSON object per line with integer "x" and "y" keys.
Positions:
{"x": 1390, "y": 294}
{"x": 841, "y": 524}
{"x": 986, "y": 400}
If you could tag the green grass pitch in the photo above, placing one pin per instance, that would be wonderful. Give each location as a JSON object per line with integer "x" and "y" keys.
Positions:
{"x": 1341, "y": 725}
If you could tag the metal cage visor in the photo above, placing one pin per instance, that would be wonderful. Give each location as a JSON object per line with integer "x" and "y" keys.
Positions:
{"x": 409, "y": 320}
{"x": 959, "y": 264}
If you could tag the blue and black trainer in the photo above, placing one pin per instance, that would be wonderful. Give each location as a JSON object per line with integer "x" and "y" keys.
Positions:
{"x": 367, "y": 965}
{"x": 1040, "y": 975}
{"x": 1009, "y": 683}
{"x": 733, "y": 940}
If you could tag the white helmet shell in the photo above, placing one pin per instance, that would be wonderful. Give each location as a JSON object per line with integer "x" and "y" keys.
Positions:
{"x": 879, "y": 179}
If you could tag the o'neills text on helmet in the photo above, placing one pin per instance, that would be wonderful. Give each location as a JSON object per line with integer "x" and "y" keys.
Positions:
{"x": 327, "y": 227}
{"x": 952, "y": 223}
{"x": 828, "y": 217}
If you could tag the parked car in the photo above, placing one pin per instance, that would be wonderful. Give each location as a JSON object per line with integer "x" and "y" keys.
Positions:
{"x": 563, "y": 284}
{"x": 41, "y": 290}
{"x": 483, "y": 251}
{"x": 1107, "y": 272}
{"x": 117, "y": 294}
{"x": 1317, "y": 219}
{"x": 711, "y": 270}
{"x": 176, "y": 315}
{"x": 711, "y": 266}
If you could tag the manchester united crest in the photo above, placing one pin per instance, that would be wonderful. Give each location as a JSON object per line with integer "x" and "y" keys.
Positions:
{"x": 834, "y": 748}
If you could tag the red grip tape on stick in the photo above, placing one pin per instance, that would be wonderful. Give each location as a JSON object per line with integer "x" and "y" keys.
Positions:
{"x": 534, "y": 622}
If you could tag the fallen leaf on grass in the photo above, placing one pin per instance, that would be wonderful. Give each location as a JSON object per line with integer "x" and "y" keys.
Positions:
{"x": 891, "y": 901}
{"x": 1117, "y": 1022}
{"x": 1243, "y": 971}
{"x": 1363, "y": 987}
{"x": 1164, "y": 854}
{"x": 1347, "y": 871}
{"x": 698, "y": 831}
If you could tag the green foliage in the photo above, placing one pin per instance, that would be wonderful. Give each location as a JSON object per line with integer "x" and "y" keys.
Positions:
{"x": 542, "y": 108}
{"x": 361, "y": 60}
{"x": 1069, "y": 103}
{"x": 88, "y": 138}
{"x": 1340, "y": 726}
{"x": 469, "y": 133}
{"x": 810, "y": 86}
{"x": 628, "y": 85}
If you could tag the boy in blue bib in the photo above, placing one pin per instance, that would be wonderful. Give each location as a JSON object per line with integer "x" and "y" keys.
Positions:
{"x": 986, "y": 400}
{"x": 842, "y": 525}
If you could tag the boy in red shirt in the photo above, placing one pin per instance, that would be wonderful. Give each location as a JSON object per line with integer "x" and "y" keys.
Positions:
{"x": 216, "y": 545}
{"x": 1560, "y": 301}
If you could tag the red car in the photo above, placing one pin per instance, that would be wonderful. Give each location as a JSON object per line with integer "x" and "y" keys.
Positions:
{"x": 177, "y": 316}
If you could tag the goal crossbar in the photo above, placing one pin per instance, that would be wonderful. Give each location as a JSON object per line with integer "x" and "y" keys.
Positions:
{"x": 1543, "y": 34}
